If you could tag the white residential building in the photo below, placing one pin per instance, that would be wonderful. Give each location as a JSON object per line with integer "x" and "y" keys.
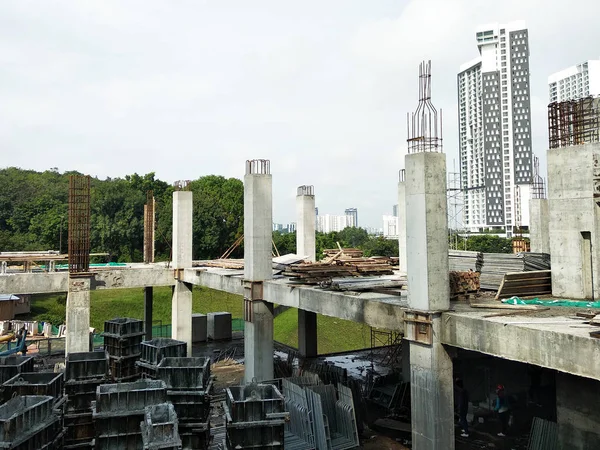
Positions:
{"x": 495, "y": 130}
{"x": 390, "y": 227}
{"x": 575, "y": 82}
{"x": 351, "y": 217}
{"x": 327, "y": 223}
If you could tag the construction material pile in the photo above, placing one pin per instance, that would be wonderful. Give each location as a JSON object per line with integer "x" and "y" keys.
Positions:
{"x": 463, "y": 261}
{"x": 122, "y": 341}
{"x": 496, "y": 265}
{"x": 464, "y": 282}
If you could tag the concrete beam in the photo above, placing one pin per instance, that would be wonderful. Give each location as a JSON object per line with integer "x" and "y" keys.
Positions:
{"x": 558, "y": 347}
{"x": 57, "y": 282}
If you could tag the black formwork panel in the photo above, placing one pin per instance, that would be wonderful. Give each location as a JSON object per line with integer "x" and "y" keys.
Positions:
{"x": 86, "y": 365}
{"x": 147, "y": 370}
{"x": 160, "y": 427}
{"x": 123, "y": 368}
{"x": 80, "y": 428}
{"x": 119, "y": 346}
{"x": 20, "y": 414}
{"x": 46, "y": 435}
{"x": 133, "y": 396}
{"x": 266, "y": 436}
{"x": 82, "y": 446}
{"x": 13, "y": 365}
{"x": 123, "y": 326}
{"x": 190, "y": 405}
{"x": 185, "y": 373}
{"x": 116, "y": 431}
{"x": 253, "y": 402}
{"x": 154, "y": 350}
{"x": 34, "y": 383}
{"x": 81, "y": 394}
{"x": 194, "y": 435}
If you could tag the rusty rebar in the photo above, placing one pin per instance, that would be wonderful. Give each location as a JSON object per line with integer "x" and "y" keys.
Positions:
{"x": 79, "y": 224}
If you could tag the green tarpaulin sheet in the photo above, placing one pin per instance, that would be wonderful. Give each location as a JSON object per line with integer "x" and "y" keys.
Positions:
{"x": 537, "y": 301}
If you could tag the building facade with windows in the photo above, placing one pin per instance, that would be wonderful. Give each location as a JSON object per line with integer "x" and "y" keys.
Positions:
{"x": 495, "y": 130}
{"x": 351, "y": 217}
{"x": 575, "y": 82}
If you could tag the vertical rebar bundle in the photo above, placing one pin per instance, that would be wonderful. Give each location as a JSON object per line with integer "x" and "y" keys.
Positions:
{"x": 305, "y": 190}
{"x": 538, "y": 186}
{"x": 258, "y": 167}
{"x": 182, "y": 185}
{"x": 574, "y": 122}
{"x": 79, "y": 223}
{"x": 149, "y": 227}
{"x": 424, "y": 132}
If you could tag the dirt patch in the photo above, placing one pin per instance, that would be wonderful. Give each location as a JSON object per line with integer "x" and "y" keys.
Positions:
{"x": 227, "y": 373}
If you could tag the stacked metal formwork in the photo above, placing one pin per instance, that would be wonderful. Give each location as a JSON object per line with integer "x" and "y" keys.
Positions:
{"x": 255, "y": 417}
{"x": 189, "y": 384}
{"x": 84, "y": 372}
{"x": 35, "y": 383}
{"x": 122, "y": 341}
{"x": 574, "y": 122}
{"x": 79, "y": 224}
{"x": 119, "y": 410}
{"x": 154, "y": 350}
{"x": 13, "y": 365}
{"x": 160, "y": 429}
{"x": 29, "y": 422}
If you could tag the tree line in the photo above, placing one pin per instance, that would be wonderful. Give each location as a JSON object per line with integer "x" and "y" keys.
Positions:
{"x": 34, "y": 213}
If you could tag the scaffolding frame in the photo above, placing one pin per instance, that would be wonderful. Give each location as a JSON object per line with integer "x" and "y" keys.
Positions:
{"x": 79, "y": 224}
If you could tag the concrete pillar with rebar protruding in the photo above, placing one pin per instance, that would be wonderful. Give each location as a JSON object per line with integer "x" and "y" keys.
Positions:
{"x": 258, "y": 313}
{"x": 181, "y": 314}
{"x": 78, "y": 315}
{"x": 429, "y": 292}
{"x": 305, "y": 246}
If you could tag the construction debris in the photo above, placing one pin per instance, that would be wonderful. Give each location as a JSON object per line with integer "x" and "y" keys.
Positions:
{"x": 538, "y": 282}
{"x": 315, "y": 273}
{"x": 463, "y": 282}
{"x": 364, "y": 284}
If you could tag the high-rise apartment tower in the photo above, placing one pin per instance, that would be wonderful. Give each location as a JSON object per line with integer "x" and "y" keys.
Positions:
{"x": 495, "y": 130}
{"x": 575, "y": 82}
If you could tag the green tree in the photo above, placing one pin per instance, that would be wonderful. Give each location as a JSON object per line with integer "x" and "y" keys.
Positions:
{"x": 285, "y": 242}
{"x": 380, "y": 246}
{"x": 353, "y": 237}
{"x": 489, "y": 243}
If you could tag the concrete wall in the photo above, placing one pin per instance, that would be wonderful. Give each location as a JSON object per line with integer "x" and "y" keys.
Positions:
{"x": 427, "y": 232}
{"x": 577, "y": 401}
{"x": 572, "y": 210}
{"x": 539, "y": 231}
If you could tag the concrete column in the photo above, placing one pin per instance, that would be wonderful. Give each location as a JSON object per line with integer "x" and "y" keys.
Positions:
{"x": 539, "y": 225}
{"x": 307, "y": 333}
{"x": 181, "y": 314}
{"x": 306, "y": 246}
{"x": 402, "y": 222}
{"x": 258, "y": 223}
{"x": 78, "y": 315}
{"x": 428, "y": 291}
{"x": 577, "y": 412}
{"x": 148, "y": 311}
{"x": 305, "y": 222}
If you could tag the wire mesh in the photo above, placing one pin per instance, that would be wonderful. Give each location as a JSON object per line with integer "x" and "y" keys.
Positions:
{"x": 79, "y": 223}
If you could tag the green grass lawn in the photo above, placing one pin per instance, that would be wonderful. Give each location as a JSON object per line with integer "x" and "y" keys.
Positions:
{"x": 335, "y": 335}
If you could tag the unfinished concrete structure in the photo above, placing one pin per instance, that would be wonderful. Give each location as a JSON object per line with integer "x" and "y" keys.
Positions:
{"x": 539, "y": 232}
{"x": 574, "y": 220}
{"x": 258, "y": 313}
{"x": 402, "y": 221}
{"x": 306, "y": 247}
{"x": 182, "y": 257}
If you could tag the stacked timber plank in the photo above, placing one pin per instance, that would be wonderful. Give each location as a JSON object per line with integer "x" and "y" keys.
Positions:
{"x": 315, "y": 273}
{"x": 236, "y": 264}
{"x": 463, "y": 261}
{"x": 463, "y": 282}
{"x": 537, "y": 282}
{"x": 331, "y": 254}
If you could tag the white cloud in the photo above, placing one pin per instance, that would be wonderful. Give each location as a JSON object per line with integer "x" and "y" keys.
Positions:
{"x": 192, "y": 88}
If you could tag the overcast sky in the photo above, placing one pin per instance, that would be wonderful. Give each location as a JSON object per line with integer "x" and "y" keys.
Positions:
{"x": 190, "y": 88}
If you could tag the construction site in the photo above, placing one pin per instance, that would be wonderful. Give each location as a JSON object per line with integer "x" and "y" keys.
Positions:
{"x": 522, "y": 326}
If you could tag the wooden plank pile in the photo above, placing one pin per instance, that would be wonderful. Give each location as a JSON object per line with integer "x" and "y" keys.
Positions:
{"x": 496, "y": 265}
{"x": 537, "y": 282}
{"x": 237, "y": 264}
{"x": 315, "y": 273}
{"x": 463, "y": 282}
{"x": 332, "y": 254}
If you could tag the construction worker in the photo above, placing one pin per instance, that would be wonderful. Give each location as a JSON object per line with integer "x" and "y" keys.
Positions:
{"x": 21, "y": 335}
{"x": 502, "y": 408}
{"x": 462, "y": 406}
